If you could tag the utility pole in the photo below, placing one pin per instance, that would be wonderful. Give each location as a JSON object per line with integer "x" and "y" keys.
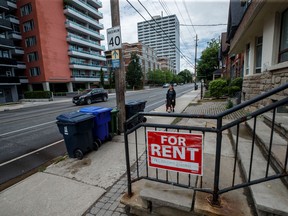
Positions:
{"x": 119, "y": 72}
{"x": 195, "y": 65}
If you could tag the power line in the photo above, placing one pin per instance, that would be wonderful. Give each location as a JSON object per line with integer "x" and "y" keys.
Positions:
{"x": 203, "y": 25}
{"x": 189, "y": 16}
{"x": 188, "y": 61}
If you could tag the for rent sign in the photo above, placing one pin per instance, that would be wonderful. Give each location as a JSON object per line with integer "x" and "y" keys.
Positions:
{"x": 179, "y": 152}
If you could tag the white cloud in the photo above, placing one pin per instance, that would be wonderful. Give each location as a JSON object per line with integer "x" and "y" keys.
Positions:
{"x": 201, "y": 12}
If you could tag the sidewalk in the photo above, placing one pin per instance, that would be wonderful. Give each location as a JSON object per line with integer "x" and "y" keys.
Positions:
{"x": 71, "y": 187}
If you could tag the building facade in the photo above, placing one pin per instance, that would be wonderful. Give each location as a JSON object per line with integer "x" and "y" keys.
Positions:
{"x": 163, "y": 35}
{"x": 12, "y": 68}
{"x": 165, "y": 63}
{"x": 147, "y": 57}
{"x": 262, "y": 37}
{"x": 49, "y": 45}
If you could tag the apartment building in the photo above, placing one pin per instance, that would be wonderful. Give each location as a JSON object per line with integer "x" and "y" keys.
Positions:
{"x": 12, "y": 68}
{"x": 165, "y": 63}
{"x": 162, "y": 34}
{"x": 49, "y": 45}
{"x": 147, "y": 56}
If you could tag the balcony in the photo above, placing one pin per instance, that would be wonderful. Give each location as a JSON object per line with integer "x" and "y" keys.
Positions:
{"x": 84, "y": 42}
{"x": 14, "y": 35}
{"x": 18, "y": 51}
{"x": 3, "y": 6}
{"x": 86, "y": 55}
{"x": 21, "y": 65}
{"x": 7, "y": 62}
{"x": 82, "y": 17}
{"x": 13, "y": 19}
{"x": 82, "y": 29}
{"x": 84, "y": 6}
{"x": 84, "y": 78}
{"x": 23, "y": 79}
{"x": 9, "y": 80}
{"x": 12, "y": 4}
{"x": 6, "y": 43}
{"x": 5, "y": 25}
{"x": 95, "y": 3}
{"x": 85, "y": 66}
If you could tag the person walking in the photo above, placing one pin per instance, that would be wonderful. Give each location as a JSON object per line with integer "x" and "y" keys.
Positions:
{"x": 170, "y": 99}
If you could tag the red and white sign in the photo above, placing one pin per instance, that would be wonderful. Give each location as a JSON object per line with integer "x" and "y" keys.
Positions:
{"x": 180, "y": 152}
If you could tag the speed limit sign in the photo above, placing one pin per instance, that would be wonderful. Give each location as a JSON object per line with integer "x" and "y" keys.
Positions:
{"x": 114, "y": 38}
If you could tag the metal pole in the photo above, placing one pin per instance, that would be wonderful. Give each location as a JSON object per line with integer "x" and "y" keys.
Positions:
{"x": 119, "y": 72}
{"x": 195, "y": 67}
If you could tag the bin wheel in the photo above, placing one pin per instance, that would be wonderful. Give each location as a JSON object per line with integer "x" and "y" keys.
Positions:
{"x": 96, "y": 146}
{"x": 99, "y": 142}
{"x": 88, "y": 101}
{"x": 144, "y": 119}
{"x": 104, "y": 98}
{"x": 109, "y": 138}
{"x": 78, "y": 154}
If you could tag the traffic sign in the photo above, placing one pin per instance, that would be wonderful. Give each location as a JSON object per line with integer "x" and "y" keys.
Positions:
{"x": 114, "y": 38}
{"x": 115, "y": 54}
{"x": 180, "y": 152}
{"x": 115, "y": 63}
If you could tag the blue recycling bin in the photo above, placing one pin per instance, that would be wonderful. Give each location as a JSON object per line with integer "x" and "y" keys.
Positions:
{"x": 77, "y": 130}
{"x": 102, "y": 117}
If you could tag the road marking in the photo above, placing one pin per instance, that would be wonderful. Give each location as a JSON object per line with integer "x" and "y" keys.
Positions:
{"x": 30, "y": 153}
{"x": 11, "y": 132}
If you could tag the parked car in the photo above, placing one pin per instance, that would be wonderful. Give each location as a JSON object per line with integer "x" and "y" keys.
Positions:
{"x": 175, "y": 84}
{"x": 166, "y": 85}
{"x": 89, "y": 96}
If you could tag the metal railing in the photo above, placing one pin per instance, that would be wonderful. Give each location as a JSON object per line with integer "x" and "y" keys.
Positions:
{"x": 133, "y": 128}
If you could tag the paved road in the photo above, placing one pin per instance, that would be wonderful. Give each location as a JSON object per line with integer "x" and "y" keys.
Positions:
{"x": 29, "y": 137}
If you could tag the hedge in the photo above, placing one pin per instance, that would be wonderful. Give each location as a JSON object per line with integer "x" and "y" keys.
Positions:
{"x": 37, "y": 94}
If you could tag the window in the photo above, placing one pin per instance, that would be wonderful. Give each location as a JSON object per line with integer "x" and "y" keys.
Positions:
{"x": 30, "y": 41}
{"x": 259, "y": 42}
{"x": 283, "y": 54}
{"x": 26, "y": 9}
{"x": 35, "y": 71}
{"x": 247, "y": 62}
{"x": 32, "y": 56}
{"x": 4, "y": 53}
{"x": 28, "y": 26}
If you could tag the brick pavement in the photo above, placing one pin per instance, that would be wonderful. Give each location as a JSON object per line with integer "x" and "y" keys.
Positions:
{"x": 109, "y": 204}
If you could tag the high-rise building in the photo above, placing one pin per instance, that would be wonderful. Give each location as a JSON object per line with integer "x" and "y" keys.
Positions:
{"x": 49, "y": 45}
{"x": 12, "y": 69}
{"x": 162, "y": 34}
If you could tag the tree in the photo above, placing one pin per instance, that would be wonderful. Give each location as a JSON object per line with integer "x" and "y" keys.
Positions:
{"x": 102, "y": 78}
{"x": 134, "y": 73}
{"x": 186, "y": 76}
{"x": 208, "y": 62}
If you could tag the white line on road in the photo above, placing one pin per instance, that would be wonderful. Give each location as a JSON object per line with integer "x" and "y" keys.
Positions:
{"x": 11, "y": 132}
{"x": 30, "y": 153}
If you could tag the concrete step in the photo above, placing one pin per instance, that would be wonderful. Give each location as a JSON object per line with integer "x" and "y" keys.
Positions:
{"x": 281, "y": 123}
{"x": 279, "y": 144}
{"x": 271, "y": 197}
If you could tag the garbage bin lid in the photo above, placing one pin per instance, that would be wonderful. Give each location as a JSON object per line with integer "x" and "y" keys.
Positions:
{"x": 91, "y": 109}
{"x": 103, "y": 109}
{"x": 74, "y": 117}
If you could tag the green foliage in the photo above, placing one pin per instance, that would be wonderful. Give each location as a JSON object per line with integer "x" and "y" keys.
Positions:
{"x": 237, "y": 82}
{"x": 229, "y": 104}
{"x": 208, "y": 62}
{"x": 134, "y": 73}
{"x": 185, "y": 76}
{"x": 207, "y": 94}
{"x": 158, "y": 77}
{"x": 37, "y": 94}
{"x": 232, "y": 90}
{"x": 102, "y": 78}
{"x": 217, "y": 88}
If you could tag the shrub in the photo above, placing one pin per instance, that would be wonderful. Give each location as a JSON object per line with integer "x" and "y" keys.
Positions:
{"x": 229, "y": 104}
{"x": 237, "y": 82}
{"x": 217, "y": 88}
{"x": 37, "y": 94}
{"x": 207, "y": 94}
{"x": 232, "y": 90}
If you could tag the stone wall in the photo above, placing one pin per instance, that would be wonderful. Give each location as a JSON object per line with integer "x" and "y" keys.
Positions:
{"x": 260, "y": 83}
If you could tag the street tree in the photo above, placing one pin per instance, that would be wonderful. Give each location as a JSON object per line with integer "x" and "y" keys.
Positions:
{"x": 208, "y": 62}
{"x": 186, "y": 76}
{"x": 134, "y": 74}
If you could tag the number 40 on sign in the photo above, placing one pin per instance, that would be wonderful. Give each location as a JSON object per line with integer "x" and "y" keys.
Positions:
{"x": 114, "y": 38}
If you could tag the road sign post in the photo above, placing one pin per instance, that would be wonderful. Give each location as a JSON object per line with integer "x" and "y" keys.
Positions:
{"x": 180, "y": 152}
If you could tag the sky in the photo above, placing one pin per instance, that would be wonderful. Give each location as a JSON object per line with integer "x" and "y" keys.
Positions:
{"x": 190, "y": 13}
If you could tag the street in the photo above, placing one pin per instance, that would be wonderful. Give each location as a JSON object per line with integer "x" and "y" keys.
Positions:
{"x": 29, "y": 137}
